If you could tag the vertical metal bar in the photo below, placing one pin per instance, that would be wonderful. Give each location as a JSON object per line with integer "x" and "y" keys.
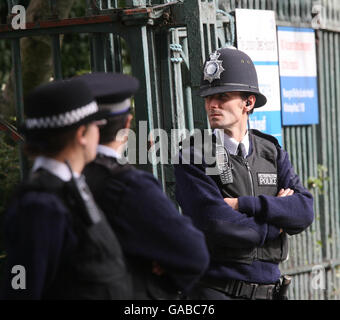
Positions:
{"x": 88, "y": 5}
{"x": 56, "y": 54}
{"x": 158, "y": 123}
{"x": 281, "y": 11}
{"x": 328, "y": 153}
{"x": 252, "y": 4}
{"x": 117, "y": 46}
{"x": 178, "y": 86}
{"x": 104, "y": 4}
{"x": 109, "y": 52}
{"x": 196, "y": 57}
{"x": 323, "y": 135}
{"x": 53, "y": 5}
{"x": 166, "y": 79}
{"x": 307, "y": 161}
{"x": 113, "y": 53}
{"x": 337, "y": 177}
{"x": 114, "y": 3}
{"x": 333, "y": 146}
{"x": 9, "y": 6}
{"x": 188, "y": 102}
{"x": 135, "y": 3}
{"x": 320, "y": 134}
{"x": 302, "y": 173}
{"x": 139, "y": 50}
{"x": 213, "y": 37}
{"x": 206, "y": 42}
{"x": 97, "y": 52}
{"x": 320, "y": 148}
{"x": 18, "y": 90}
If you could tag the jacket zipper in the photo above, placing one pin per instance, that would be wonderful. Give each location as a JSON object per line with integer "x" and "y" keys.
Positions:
{"x": 253, "y": 194}
{"x": 250, "y": 178}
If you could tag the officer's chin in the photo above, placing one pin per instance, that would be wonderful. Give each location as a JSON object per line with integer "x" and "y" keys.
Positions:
{"x": 214, "y": 124}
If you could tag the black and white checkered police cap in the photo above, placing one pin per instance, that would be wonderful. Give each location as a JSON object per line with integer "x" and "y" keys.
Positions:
{"x": 58, "y": 105}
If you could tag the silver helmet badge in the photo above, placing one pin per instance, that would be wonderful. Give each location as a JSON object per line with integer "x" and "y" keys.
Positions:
{"x": 213, "y": 68}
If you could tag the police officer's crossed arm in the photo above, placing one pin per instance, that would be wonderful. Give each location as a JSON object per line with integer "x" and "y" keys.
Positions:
{"x": 233, "y": 202}
{"x": 200, "y": 198}
{"x": 290, "y": 210}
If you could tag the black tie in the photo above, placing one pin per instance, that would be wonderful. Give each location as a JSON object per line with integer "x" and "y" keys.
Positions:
{"x": 241, "y": 150}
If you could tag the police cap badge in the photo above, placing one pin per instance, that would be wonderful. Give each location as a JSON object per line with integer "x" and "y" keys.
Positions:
{"x": 213, "y": 68}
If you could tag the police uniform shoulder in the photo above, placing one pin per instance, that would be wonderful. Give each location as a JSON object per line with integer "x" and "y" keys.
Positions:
{"x": 140, "y": 182}
{"x": 266, "y": 137}
{"x": 41, "y": 189}
{"x": 137, "y": 177}
{"x": 47, "y": 202}
{"x": 107, "y": 166}
{"x": 142, "y": 174}
{"x": 41, "y": 181}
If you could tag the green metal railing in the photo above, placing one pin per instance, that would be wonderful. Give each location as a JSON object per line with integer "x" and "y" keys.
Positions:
{"x": 168, "y": 41}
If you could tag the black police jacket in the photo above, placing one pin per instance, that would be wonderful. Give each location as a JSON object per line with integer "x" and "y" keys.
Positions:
{"x": 89, "y": 262}
{"x": 146, "y": 286}
{"x": 149, "y": 228}
{"x": 256, "y": 175}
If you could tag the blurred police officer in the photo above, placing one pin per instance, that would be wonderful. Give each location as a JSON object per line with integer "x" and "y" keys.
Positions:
{"x": 58, "y": 243}
{"x": 252, "y": 199}
{"x": 165, "y": 253}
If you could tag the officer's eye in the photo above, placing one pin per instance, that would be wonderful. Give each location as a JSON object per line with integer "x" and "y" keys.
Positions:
{"x": 223, "y": 96}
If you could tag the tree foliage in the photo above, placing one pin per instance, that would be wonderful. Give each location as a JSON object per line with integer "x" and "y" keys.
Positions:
{"x": 75, "y": 57}
{"x": 9, "y": 175}
{"x": 5, "y": 49}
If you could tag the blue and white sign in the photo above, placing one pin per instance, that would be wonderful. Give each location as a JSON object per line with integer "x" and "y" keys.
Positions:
{"x": 298, "y": 75}
{"x": 257, "y": 36}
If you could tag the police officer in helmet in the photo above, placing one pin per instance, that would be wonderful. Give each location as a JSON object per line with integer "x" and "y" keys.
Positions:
{"x": 55, "y": 234}
{"x": 248, "y": 205}
{"x": 165, "y": 253}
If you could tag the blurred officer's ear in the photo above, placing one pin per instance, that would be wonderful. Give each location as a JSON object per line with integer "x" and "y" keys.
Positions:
{"x": 80, "y": 137}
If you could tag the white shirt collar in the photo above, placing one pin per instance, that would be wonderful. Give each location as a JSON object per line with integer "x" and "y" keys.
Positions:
{"x": 107, "y": 151}
{"x": 231, "y": 144}
{"x": 55, "y": 167}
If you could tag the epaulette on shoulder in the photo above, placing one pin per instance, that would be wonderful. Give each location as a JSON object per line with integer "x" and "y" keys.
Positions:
{"x": 265, "y": 136}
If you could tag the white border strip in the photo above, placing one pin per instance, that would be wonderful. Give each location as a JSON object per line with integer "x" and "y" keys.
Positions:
{"x": 64, "y": 119}
{"x": 116, "y": 107}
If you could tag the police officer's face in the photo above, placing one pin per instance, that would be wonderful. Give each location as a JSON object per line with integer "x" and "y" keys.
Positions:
{"x": 226, "y": 110}
{"x": 91, "y": 140}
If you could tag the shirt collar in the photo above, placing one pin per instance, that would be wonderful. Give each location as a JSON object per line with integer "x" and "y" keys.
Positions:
{"x": 55, "y": 167}
{"x": 231, "y": 144}
{"x": 107, "y": 151}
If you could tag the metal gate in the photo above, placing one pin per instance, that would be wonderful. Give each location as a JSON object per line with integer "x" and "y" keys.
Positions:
{"x": 168, "y": 41}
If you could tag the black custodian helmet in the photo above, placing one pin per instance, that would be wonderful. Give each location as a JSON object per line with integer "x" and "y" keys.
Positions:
{"x": 228, "y": 70}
